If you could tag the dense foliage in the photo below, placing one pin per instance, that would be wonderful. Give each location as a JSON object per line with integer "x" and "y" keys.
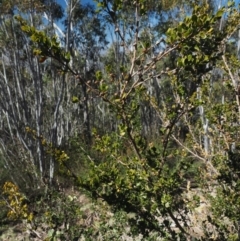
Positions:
{"x": 122, "y": 121}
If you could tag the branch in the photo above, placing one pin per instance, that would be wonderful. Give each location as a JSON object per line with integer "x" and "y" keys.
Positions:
{"x": 234, "y": 83}
{"x": 194, "y": 154}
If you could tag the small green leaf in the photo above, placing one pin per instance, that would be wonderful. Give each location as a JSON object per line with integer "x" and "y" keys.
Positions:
{"x": 75, "y": 99}
{"x": 194, "y": 18}
{"x": 189, "y": 57}
{"x": 230, "y": 4}
{"x": 98, "y": 75}
{"x": 219, "y": 13}
{"x": 25, "y": 28}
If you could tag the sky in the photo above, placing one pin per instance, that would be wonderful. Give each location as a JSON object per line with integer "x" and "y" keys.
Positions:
{"x": 62, "y": 2}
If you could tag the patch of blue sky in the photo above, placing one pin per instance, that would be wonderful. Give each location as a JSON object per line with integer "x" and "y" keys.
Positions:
{"x": 63, "y": 2}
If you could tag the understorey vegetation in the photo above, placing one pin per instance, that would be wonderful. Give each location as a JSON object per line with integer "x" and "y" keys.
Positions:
{"x": 119, "y": 120}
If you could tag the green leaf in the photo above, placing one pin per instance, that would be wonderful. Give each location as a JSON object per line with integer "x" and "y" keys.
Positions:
{"x": 75, "y": 99}
{"x": 37, "y": 51}
{"x": 203, "y": 35}
{"x": 230, "y": 4}
{"x": 196, "y": 48}
{"x": 206, "y": 58}
{"x": 25, "y": 28}
{"x": 190, "y": 58}
{"x": 98, "y": 75}
{"x": 67, "y": 56}
{"x": 194, "y": 18}
{"x": 219, "y": 13}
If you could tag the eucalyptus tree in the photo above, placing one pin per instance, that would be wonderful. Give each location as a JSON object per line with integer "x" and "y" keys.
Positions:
{"x": 19, "y": 70}
{"x": 85, "y": 40}
{"x": 32, "y": 91}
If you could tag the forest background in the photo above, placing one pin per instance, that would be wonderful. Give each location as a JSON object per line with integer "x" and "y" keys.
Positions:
{"x": 119, "y": 120}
